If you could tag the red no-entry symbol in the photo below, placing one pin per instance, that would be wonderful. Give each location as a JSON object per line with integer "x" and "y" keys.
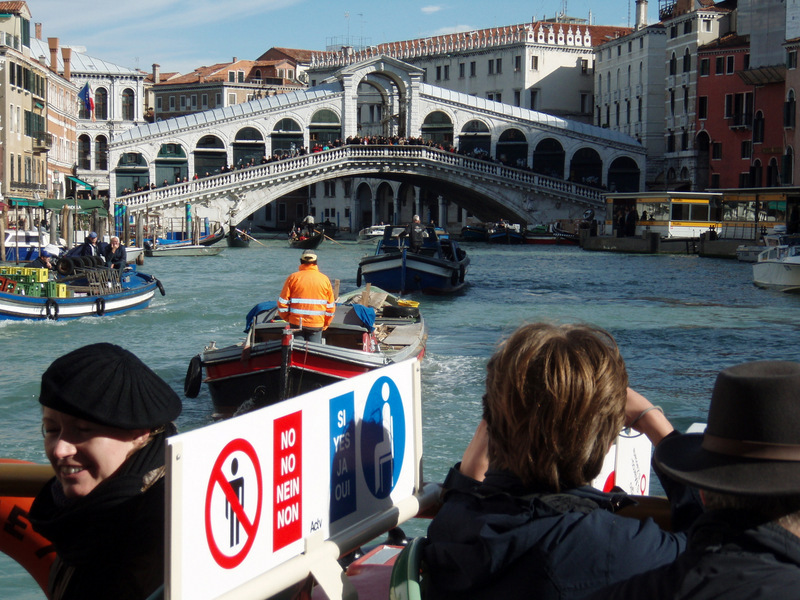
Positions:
{"x": 233, "y": 503}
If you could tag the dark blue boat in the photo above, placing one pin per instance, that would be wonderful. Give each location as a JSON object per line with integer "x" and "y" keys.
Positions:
{"x": 439, "y": 267}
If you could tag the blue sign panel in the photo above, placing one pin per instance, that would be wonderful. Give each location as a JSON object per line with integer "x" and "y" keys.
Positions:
{"x": 343, "y": 456}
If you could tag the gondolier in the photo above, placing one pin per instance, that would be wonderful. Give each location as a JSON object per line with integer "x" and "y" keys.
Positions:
{"x": 306, "y": 300}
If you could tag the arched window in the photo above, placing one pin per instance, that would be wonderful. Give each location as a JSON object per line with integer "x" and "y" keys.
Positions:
{"x": 101, "y": 104}
{"x": 128, "y": 97}
{"x": 84, "y": 152}
{"x": 101, "y": 153}
{"x": 687, "y": 61}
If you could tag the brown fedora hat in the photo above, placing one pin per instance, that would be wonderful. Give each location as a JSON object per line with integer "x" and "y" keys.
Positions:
{"x": 751, "y": 445}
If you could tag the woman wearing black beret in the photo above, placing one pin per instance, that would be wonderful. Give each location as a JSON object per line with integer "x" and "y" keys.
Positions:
{"x": 105, "y": 419}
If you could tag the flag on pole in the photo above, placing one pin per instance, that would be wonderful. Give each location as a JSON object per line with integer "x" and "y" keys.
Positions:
{"x": 87, "y": 97}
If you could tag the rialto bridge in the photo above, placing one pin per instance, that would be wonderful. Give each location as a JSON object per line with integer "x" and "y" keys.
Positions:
{"x": 497, "y": 161}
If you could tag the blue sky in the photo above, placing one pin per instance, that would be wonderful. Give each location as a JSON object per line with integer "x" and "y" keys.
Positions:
{"x": 183, "y": 34}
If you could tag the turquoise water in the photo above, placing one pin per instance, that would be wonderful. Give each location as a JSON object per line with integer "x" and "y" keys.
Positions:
{"x": 678, "y": 320}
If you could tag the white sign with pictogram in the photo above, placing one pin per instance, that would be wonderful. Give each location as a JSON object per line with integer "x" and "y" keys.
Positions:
{"x": 244, "y": 494}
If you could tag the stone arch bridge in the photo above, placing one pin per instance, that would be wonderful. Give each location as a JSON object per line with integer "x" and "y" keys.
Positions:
{"x": 486, "y": 157}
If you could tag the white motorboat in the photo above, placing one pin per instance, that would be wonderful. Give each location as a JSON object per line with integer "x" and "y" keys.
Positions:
{"x": 374, "y": 233}
{"x": 24, "y": 244}
{"x": 181, "y": 250}
{"x": 778, "y": 268}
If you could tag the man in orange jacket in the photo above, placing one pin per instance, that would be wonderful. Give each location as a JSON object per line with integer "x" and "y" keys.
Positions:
{"x": 306, "y": 300}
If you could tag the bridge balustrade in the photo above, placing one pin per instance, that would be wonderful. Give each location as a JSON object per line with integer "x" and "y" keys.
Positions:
{"x": 258, "y": 174}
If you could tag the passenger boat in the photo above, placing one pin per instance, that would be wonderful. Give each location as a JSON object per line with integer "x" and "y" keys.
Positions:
{"x": 370, "y": 329}
{"x": 307, "y": 243}
{"x": 439, "y": 267}
{"x": 25, "y": 244}
{"x": 82, "y": 289}
{"x": 778, "y": 268}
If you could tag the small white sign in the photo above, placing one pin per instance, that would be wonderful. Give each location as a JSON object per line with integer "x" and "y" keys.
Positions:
{"x": 627, "y": 465}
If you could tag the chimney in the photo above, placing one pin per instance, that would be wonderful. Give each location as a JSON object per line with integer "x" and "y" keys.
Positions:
{"x": 37, "y": 28}
{"x": 156, "y": 73}
{"x": 66, "y": 55}
{"x": 234, "y": 59}
{"x": 52, "y": 43}
{"x": 641, "y": 14}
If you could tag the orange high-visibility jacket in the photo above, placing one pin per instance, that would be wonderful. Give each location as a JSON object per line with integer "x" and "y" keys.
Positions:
{"x": 307, "y": 298}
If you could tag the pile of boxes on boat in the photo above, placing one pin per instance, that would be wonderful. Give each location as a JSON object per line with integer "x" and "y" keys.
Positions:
{"x": 27, "y": 281}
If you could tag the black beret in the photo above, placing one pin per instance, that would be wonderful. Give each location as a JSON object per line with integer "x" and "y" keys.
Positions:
{"x": 106, "y": 384}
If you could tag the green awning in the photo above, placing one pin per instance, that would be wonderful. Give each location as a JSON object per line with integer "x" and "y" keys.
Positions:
{"x": 86, "y": 186}
{"x": 85, "y": 205}
{"x": 24, "y": 202}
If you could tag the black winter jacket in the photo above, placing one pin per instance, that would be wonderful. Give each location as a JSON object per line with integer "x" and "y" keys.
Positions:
{"x": 729, "y": 556}
{"x": 497, "y": 540}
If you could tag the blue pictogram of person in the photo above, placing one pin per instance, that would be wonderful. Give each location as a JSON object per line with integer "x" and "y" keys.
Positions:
{"x": 382, "y": 438}
{"x": 237, "y": 486}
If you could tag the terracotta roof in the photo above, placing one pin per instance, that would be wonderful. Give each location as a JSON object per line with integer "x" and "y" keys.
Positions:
{"x": 301, "y": 56}
{"x": 219, "y": 72}
{"x": 12, "y": 7}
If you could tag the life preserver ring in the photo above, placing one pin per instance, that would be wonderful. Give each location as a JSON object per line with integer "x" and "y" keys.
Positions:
{"x": 100, "y": 306}
{"x": 194, "y": 377}
{"x": 19, "y": 541}
{"x": 160, "y": 287}
{"x": 51, "y": 309}
{"x": 358, "y": 277}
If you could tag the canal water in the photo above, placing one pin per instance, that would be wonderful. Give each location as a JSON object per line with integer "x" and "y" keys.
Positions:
{"x": 678, "y": 320}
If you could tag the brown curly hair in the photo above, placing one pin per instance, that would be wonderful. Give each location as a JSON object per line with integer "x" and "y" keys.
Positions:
{"x": 555, "y": 401}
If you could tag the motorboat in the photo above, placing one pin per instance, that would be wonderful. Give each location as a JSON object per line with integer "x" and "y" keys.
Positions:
{"x": 181, "y": 249}
{"x": 85, "y": 289}
{"x": 23, "y": 245}
{"x": 439, "y": 267}
{"x": 371, "y": 328}
{"x": 374, "y": 233}
{"x": 778, "y": 268}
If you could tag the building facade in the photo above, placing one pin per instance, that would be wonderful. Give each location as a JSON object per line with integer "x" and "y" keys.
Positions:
{"x": 23, "y": 107}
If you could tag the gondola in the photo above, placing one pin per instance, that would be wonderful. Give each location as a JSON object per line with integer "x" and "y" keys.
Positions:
{"x": 308, "y": 243}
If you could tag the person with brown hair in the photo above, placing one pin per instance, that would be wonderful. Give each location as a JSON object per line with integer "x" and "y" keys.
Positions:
{"x": 519, "y": 517}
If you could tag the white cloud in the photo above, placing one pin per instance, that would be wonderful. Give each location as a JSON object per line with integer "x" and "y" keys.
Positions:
{"x": 428, "y": 10}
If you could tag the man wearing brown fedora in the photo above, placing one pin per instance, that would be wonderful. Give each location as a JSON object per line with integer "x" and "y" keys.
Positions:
{"x": 747, "y": 467}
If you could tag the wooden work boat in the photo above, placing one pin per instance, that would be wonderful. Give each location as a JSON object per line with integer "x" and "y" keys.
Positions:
{"x": 370, "y": 329}
{"x": 87, "y": 290}
{"x": 439, "y": 267}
